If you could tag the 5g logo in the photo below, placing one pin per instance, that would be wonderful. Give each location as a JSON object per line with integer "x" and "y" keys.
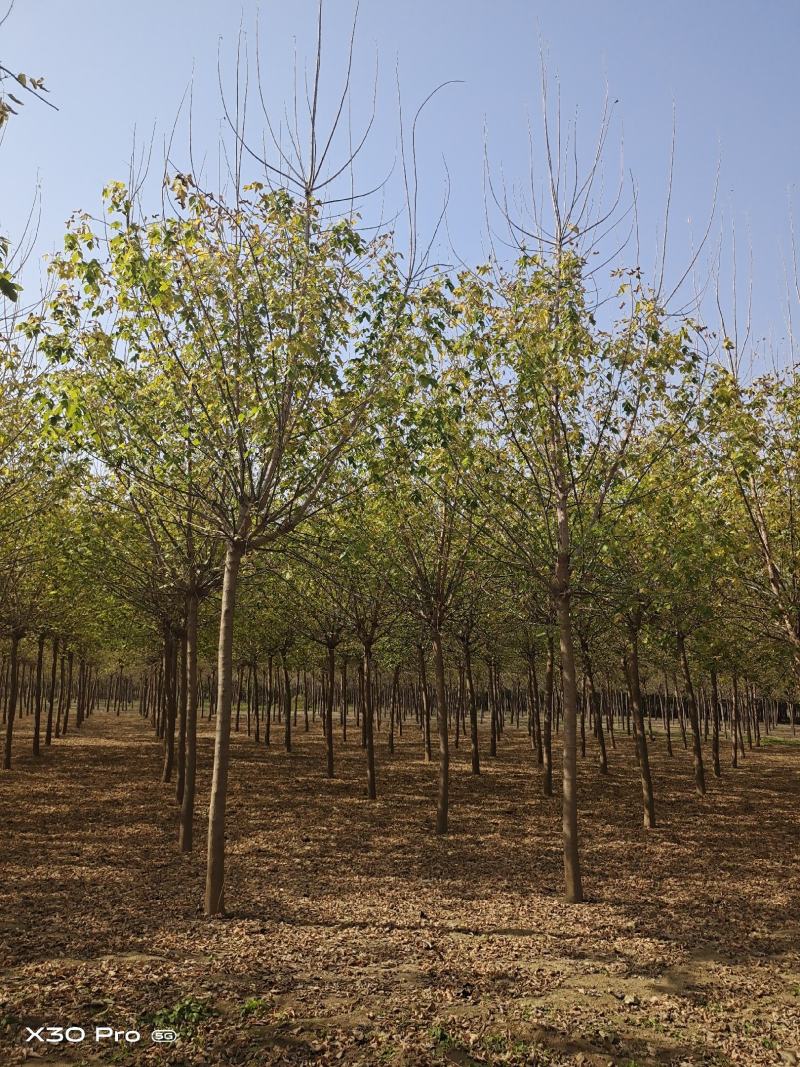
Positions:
{"x": 164, "y": 1036}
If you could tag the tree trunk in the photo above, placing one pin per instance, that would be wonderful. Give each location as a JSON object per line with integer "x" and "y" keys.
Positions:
{"x": 287, "y": 702}
{"x": 68, "y": 692}
{"x": 183, "y": 702}
{"x": 473, "y": 710}
{"x": 573, "y": 888}
{"x": 367, "y": 710}
{"x": 256, "y": 710}
{"x": 634, "y": 685}
{"x": 561, "y": 593}
{"x": 215, "y": 871}
{"x": 444, "y": 750}
{"x": 393, "y": 706}
{"x": 48, "y": 736}
{"x": 595, "y": 705}
{"x": 547, "y": 739}
{"x": 171, "y": 706}
{"x": 186, "y": 834}
{"x": 490, "y": 695}
{"x": 344, "y": 700}
{"x": 699, "y": 774}
{"x": 329, "y": 709}
{"x": 715, "y": 724}
{"x": 667, "y": 715}
{"x": 37, "y": 712}
{"x": 426, "y": 704}
{"x": 12, "y": 697}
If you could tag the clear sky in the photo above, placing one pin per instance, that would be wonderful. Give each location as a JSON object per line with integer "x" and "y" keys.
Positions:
{"x": 729, "y": 68}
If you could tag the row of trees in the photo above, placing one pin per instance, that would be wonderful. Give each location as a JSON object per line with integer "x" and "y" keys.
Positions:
{"x": 250, "y": 422}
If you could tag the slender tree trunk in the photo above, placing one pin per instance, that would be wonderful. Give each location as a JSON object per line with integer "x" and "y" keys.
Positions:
{"x": 255, "y": 702}
{"x": 37, "y": 712}
{"x": 367, "y": 711}
{"x": 569, "y": 820}
{"x": 51, "y": 694}
{"x": 459, "y": 703}
{"x": 360, "y": 716}
{"x": 68, "y": 692}
{"x": 697, "y": 750}
{"x": 473, "y": 709}
{"x": 12, "y": 697}
{"x": 344, "y": 700}
{"x": 269, "y": 700}
{"x": 634, "y": 685}
{"x": 426, "y": 704}
{"x": 239, "y": 690}
{"x": 393, "y": 706}
{"x": 547, "y": 740}
{"x": 329, "y": 696}
{"x": 60, "y": 695}
{"x": 595, "y": 706}
{"x": 186, "y": 835}
{"x": 183, "y": 705}
{"x": 215, "y": 873}
{"x": 171, "y": 705}
{"x": 715, "y": 724}
{"x": 667, "y": 715}
{"x": 287, "y": 702}
{"x": 444, "y": 750}
{"x": 490, "y": 695}
{"x": 81, "y": 692}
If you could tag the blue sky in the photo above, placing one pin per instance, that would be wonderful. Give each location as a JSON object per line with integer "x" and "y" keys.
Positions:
{"x": 728, "y": 69}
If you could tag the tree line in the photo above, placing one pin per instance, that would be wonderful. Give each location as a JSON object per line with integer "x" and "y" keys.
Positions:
{"x": 261, "y": 459}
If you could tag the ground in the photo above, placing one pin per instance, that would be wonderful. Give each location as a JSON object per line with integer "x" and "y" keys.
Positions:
{"x": 357, "y": 936}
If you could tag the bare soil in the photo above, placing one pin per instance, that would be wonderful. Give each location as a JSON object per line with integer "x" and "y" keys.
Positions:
{"x": 357, "y": 936}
